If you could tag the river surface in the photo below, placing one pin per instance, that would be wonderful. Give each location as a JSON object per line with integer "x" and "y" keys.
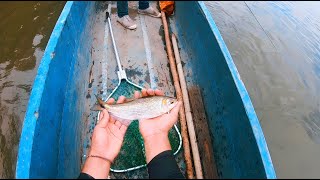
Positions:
{"x": 275, "y": 46}
{"x": 25, "y": 28}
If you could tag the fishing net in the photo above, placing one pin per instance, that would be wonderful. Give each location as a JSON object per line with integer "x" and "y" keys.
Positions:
{"x": 132, "y": 153}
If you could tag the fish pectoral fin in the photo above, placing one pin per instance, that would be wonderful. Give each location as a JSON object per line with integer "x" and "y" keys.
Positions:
{"x": 96, "y": 107}
{"x": 125, "y": 122}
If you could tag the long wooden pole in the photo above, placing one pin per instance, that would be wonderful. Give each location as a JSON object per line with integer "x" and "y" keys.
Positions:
{"x": 184, "y": 131}
{"x": 186, "y": 102}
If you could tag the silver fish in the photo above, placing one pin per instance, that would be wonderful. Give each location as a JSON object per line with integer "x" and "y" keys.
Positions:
{"x": 141, "y": 108}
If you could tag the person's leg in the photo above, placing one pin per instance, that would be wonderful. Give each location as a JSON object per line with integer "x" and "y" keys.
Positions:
{"x": 123, "y": 16}
{"x": 122, "y": 7}
{"x": 143, "y": 5}
{"x": 144, "y": 8}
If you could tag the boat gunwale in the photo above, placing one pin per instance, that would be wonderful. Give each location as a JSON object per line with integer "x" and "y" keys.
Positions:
{"x": 245, "y": 98}
{"x": 29, "y": 124}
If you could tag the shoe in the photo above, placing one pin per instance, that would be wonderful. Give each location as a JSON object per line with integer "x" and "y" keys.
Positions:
{"x": 150, "y": 11}
{"x": 127, "y": 22}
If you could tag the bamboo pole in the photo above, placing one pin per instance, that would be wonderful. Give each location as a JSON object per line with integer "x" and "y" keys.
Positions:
{"x": 186, "y": 102}
{"x": 184, "y": 131}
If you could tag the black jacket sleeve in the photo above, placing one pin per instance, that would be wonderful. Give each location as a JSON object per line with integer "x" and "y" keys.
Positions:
{"x": 85, "y": 176}
{"x": 164, "y": 166}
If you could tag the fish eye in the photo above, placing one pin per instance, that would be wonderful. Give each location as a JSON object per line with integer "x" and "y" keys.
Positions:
{"x": 170, "y": 101}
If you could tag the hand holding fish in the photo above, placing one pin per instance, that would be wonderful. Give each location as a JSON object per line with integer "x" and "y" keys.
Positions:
{"x": 155, "y": 130}
{"x": 157, "y": 114}
{"x": 107, "y": 140}
{"x": 161, "y": 124}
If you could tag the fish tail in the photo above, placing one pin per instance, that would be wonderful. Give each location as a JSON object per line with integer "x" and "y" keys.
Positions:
{"x": 102, "y": 103}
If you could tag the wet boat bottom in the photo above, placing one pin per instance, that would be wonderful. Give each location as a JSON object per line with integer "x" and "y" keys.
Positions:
{"x": 143, "y": 57}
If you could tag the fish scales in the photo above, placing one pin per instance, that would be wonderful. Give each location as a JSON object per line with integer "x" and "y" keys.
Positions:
{"x": 141, "y": 108}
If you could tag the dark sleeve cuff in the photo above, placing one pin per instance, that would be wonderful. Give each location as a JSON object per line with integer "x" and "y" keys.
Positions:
{"x": 164, "y": 166}
{"x": 85, "y": 176}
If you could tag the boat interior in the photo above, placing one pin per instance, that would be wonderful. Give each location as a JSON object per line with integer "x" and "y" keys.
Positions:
{"x": 83, "y": 65}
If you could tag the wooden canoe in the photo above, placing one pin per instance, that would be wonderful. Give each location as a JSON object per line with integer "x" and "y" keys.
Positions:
{"x": 79, "y": 62}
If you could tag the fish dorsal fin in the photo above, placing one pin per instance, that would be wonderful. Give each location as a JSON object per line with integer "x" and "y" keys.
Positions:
{"x": 130, "y": 99}
{"x": 133, "y": 99}
{"x": 145, "y": 97}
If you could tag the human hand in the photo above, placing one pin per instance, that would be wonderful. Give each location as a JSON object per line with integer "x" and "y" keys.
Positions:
{"x": 155, "y": 130}
{"x": 161, "y": 124}
{"x": 108, "y": 134}
{"x": 106, "y": 142}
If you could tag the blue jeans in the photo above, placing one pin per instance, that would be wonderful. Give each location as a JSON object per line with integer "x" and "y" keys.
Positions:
{"x": 122, "y": 7}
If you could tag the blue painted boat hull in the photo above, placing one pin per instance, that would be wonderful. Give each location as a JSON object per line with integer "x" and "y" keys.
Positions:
{"x": 52, "y": 137}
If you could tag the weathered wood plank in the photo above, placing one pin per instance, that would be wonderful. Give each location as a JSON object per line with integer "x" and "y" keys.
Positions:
{"x": 203, "y": 134}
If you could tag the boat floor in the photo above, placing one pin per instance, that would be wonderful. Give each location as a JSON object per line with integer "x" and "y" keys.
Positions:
{"x": 143, "y": 56}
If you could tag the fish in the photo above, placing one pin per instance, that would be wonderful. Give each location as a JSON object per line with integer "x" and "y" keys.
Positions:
{"x": 141, "y": 108}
